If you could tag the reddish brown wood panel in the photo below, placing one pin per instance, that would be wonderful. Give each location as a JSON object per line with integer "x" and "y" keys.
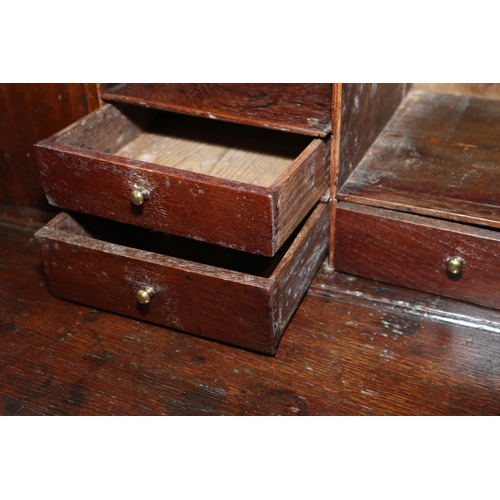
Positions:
{"x": 222, "y": 304}
{"x": 354, "y": 347}
{"x": 412, "y": 251}
{"x": 438, "y": 156}
{"x": 366, "y": 109}
{"x": 31, "y": 112}
{"x": 299, "y": 189}
{"x": 488, "y": 90}
{"x": 79, "y": 172}
{"x": 291, "y": 107}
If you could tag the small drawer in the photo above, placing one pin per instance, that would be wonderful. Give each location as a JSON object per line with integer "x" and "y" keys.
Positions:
{"x": 431, "y": 255}
{"x": 231, "y": 185}
{"x": 242, "y": 299}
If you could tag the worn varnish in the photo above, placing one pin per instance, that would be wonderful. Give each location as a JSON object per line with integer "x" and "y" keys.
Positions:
{"x": 438, "y": 156}
{"x": 226, "y": 184}
{"x": 303, "y": 108}
{"x": 222, "y": 294}
{"x": 354, "y": 347}
{"x": 488, "y": 90}
{"x": 365, "y": 108}
{"x": 31, "y": 112}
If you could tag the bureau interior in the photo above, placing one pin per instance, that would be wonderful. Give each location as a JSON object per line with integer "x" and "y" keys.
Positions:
{"x": 242, "y": 153}
{"x": 438, "y": 156}
{"x": 170, "y": 245}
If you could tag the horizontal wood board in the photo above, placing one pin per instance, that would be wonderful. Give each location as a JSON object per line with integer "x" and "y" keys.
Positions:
{"x": 439, "y": 155}
{"x": 488, "y": 90}
{"x": 291, "y": 107}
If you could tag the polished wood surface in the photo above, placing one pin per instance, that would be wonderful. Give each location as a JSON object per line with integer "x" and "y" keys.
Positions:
{"x": 438, "y": 156}
{"x": 413, "y": 251}
{"x": 218, "y": 293}
{"x": 29, "y": 113}
{"x": 291, "y": 107}
{"x": 354, "y": 347}
{"x": 81, "y": 170}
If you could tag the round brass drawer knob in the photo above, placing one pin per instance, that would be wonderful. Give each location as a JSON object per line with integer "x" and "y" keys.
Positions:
{"x": 144, "y": 295}
{"x": 139, "y": 196}
{"x": 454, "y": 265}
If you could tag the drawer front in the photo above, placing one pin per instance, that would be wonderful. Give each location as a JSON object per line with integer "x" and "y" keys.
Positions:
{"x": 234, "y": 307}
{"x": 445, "y": 258}
{"x": 225, "y": 212}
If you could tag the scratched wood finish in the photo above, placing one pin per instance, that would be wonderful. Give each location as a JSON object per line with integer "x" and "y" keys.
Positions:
{"x": 412, "y": 251}
{"x": 229, "y": 296}
{"x": 438, "y": 156}
{"x": 354, "y": 347}
{"x": 488, "y": 90}
{"x": 80, "y": 171}
{"x": 291, "y": 107}
{"x": 31, "y": 112}
{"x": 365, "y": 110}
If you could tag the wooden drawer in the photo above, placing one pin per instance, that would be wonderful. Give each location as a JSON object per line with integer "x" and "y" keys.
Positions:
{"x": 227, "y": 295}
{"x": 413, "y": 251}
{"x": 232, "y": 185}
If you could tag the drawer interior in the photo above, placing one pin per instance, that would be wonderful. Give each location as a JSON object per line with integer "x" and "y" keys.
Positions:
{"x": 170, "y": 245}
{"x": 438, "y": 156}
{"x": 230, "y": 151}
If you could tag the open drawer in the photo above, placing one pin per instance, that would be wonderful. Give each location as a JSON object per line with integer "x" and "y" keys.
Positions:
{"x": 231, "y": 185}
{"x": 235, "y": 297}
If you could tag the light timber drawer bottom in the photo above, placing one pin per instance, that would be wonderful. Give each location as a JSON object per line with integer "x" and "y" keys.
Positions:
{"x": 427, "y": 254}
{"x": 242, "y": 299}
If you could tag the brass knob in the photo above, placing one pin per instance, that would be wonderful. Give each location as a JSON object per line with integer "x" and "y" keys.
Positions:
{"x": 454, "y": 265}
{"x": 138, "y": 196}
{"x": 144, "y": 295}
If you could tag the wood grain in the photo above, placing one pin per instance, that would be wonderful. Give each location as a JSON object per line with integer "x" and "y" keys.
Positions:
{"x": 291, "y": 107}
{"x": 80, "y": 172}
{"x": 224, "y": 303}
{"x": 438, "y": 156}
{"x": 366, "y": 109}
{"x": 410, "y": 250}
{"x": 31, "y": 112}
{"x": 354, "y": 347}
{"x": 488, "y": 90}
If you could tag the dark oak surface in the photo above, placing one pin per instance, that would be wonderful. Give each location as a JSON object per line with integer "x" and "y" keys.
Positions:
{"x": 439, "y": 156}
{"x": 354, "y": 347}
{"x": 279, "y": 106}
